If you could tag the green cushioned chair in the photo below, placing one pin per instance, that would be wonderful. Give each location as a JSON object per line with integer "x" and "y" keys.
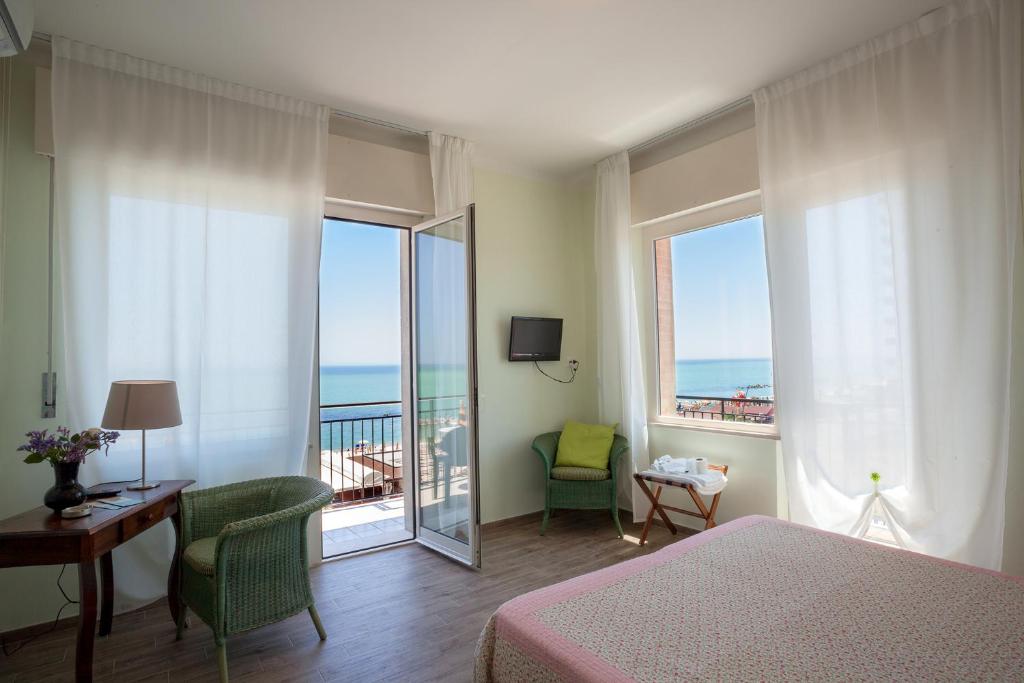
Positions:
{"x": 579, "y": 488}
{"x": 245, "y": 563}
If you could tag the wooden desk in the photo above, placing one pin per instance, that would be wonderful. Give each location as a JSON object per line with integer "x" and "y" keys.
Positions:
{"x": 40, "y": 537}
{"x": 703, "y": 512}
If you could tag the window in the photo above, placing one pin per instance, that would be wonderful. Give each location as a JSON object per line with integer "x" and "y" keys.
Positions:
{"x": 714, "y": 327}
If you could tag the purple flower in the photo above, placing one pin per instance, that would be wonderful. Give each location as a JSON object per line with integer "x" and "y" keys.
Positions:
{"x": 65, "y": 446}
{"x": 39, "y": 442}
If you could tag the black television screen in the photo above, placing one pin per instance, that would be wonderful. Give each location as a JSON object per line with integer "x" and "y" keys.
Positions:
{"x": 535, "y": 339}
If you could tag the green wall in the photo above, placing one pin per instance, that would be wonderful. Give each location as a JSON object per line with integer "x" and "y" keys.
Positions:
{"x": 28, "y": 595}
{"x": 534, "y": 257}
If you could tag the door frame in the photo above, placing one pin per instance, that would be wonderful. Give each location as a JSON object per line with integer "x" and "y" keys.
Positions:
{"x": 335, "y": 210}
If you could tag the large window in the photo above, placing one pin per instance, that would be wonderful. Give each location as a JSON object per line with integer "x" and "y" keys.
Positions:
{"x": 714, "y": 326}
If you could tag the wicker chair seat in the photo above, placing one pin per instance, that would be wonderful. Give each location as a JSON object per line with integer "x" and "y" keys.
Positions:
{"x": 580, "y": 474}
{"x": 201, "y": 555}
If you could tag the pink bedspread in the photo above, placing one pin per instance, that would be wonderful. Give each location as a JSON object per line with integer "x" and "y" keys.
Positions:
{"x": 761, "y": 599}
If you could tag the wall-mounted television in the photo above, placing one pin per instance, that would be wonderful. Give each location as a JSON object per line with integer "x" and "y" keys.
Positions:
{"x": 535, "y": 339}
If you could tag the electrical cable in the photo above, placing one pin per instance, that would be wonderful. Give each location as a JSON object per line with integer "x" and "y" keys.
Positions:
{"x": 10, "y": 652}
{"x": 573, "y": 366}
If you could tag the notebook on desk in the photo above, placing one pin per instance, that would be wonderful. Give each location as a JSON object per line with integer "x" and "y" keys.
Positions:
{"x": 115, "y": 503}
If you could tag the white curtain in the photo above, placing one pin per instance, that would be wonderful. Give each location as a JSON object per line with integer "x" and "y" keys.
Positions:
{"x": 451, "y": 167}
{"x": 891, "y": 186}
{"x": 441, "y": 259}
{"x": 6, "y": 101}
{"x": 621, "y": 394}
{"x": 188, "y": 220}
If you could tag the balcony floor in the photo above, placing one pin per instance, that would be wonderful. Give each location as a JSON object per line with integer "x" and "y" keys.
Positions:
{"x": 358, "y": 527}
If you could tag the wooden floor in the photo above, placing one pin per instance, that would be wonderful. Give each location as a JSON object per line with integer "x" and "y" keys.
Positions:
{"x": 400, "y": 614}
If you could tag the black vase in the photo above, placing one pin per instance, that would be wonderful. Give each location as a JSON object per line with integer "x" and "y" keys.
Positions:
{"x": 66, "y": 492}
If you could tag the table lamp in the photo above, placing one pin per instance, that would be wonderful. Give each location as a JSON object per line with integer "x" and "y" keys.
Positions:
{"x": 142, "y": 404}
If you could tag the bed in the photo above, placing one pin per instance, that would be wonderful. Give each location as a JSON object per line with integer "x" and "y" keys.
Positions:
{"x": 762, "y": 599}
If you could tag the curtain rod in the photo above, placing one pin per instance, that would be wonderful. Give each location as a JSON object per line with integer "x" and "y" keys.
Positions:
{"x": 377, "y": 122}
{"x": 39, "y": 36}
{"x": 693, "y": 123}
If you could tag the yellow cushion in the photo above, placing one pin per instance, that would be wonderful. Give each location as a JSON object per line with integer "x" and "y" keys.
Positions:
{"x": 583, "y": 445}
{"x": 579, "y": 474}
{"x": 200, "y": 555}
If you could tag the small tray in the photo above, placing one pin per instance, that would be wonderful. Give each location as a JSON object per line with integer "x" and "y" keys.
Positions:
{"x": 76, "y": 512}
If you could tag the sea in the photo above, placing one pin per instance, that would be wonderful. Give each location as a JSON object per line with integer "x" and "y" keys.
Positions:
{"x": 382, "y": 385}
{"x": 722, "y": 377}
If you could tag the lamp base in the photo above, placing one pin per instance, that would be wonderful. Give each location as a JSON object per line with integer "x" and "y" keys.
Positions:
{"x": 143, "y": 487}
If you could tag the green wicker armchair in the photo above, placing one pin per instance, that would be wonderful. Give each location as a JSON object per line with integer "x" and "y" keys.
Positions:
{"x": 579, "y": 488}
{"x": 245, "y": 562}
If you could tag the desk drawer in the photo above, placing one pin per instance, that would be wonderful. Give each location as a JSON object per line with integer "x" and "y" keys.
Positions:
{"x": 143, "y": 519}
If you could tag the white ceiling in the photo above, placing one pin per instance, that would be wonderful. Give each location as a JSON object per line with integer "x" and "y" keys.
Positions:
{"x": 543, "y": 86}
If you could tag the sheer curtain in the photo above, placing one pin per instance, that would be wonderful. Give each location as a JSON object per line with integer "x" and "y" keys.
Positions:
{"x": 188, "y": 221}
{"x": 441, "y": 259}
{"x": 621, "y": 394}
{"x": 451, "y": 168}
{"x": 891, "y": 187}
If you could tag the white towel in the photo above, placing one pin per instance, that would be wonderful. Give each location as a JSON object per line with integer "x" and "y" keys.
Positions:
{"x": 684, "y": 471}
{"x": 669, "y": 465}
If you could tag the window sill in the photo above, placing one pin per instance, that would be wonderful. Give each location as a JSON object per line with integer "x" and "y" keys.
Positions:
{"x": 734, "y": 429}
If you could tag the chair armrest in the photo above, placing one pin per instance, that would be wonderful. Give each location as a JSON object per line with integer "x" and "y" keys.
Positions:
{"x": 619, "y": 447}
{"x": 301, "y": 511}
{"x": 254, "y": 542}
{"x": 546, "y": 446}
{"x": 205, "y": 512}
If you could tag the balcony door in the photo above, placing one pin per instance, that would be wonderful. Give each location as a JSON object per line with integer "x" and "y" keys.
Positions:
{"x": 443, "y": 401}
{"x": 364, "y": 452}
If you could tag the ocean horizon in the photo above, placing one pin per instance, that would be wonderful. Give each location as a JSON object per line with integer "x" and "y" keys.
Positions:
{"x": 381, "y": 385}
{"x": 716, "y": 377}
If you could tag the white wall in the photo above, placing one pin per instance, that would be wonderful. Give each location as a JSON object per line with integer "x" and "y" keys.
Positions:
{"x": 379, "y": 174}
{"x": 722, "y": 168}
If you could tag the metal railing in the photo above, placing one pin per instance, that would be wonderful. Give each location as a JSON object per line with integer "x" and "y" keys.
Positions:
{"x": 750, "y": 410}
{"x": 361, "y": 456}
{"x": 361, "y": 446}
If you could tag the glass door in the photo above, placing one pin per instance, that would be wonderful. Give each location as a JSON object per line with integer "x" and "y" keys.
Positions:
{"x": 444, "y": 386}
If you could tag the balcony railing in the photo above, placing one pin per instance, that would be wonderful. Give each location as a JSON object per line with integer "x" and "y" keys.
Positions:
{"x": 361, "y": 446}
{"x": 750, "y": 410}
{"x": 361, "y": 456}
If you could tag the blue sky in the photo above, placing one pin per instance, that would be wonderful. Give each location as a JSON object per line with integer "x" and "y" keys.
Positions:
{"x": 720, "y": 292}
{"x": 360, "y": 297}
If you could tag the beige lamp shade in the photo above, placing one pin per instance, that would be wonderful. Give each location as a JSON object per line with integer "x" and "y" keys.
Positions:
{"x": 142, "y": 404}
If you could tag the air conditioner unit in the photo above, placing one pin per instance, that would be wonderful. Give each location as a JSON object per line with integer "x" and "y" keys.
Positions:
{"x": 15, "y": 26}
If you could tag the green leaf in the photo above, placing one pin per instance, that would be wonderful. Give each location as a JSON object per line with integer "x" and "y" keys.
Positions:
{"x": 33, "y": 458}
{"x": 76, "y": 438}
